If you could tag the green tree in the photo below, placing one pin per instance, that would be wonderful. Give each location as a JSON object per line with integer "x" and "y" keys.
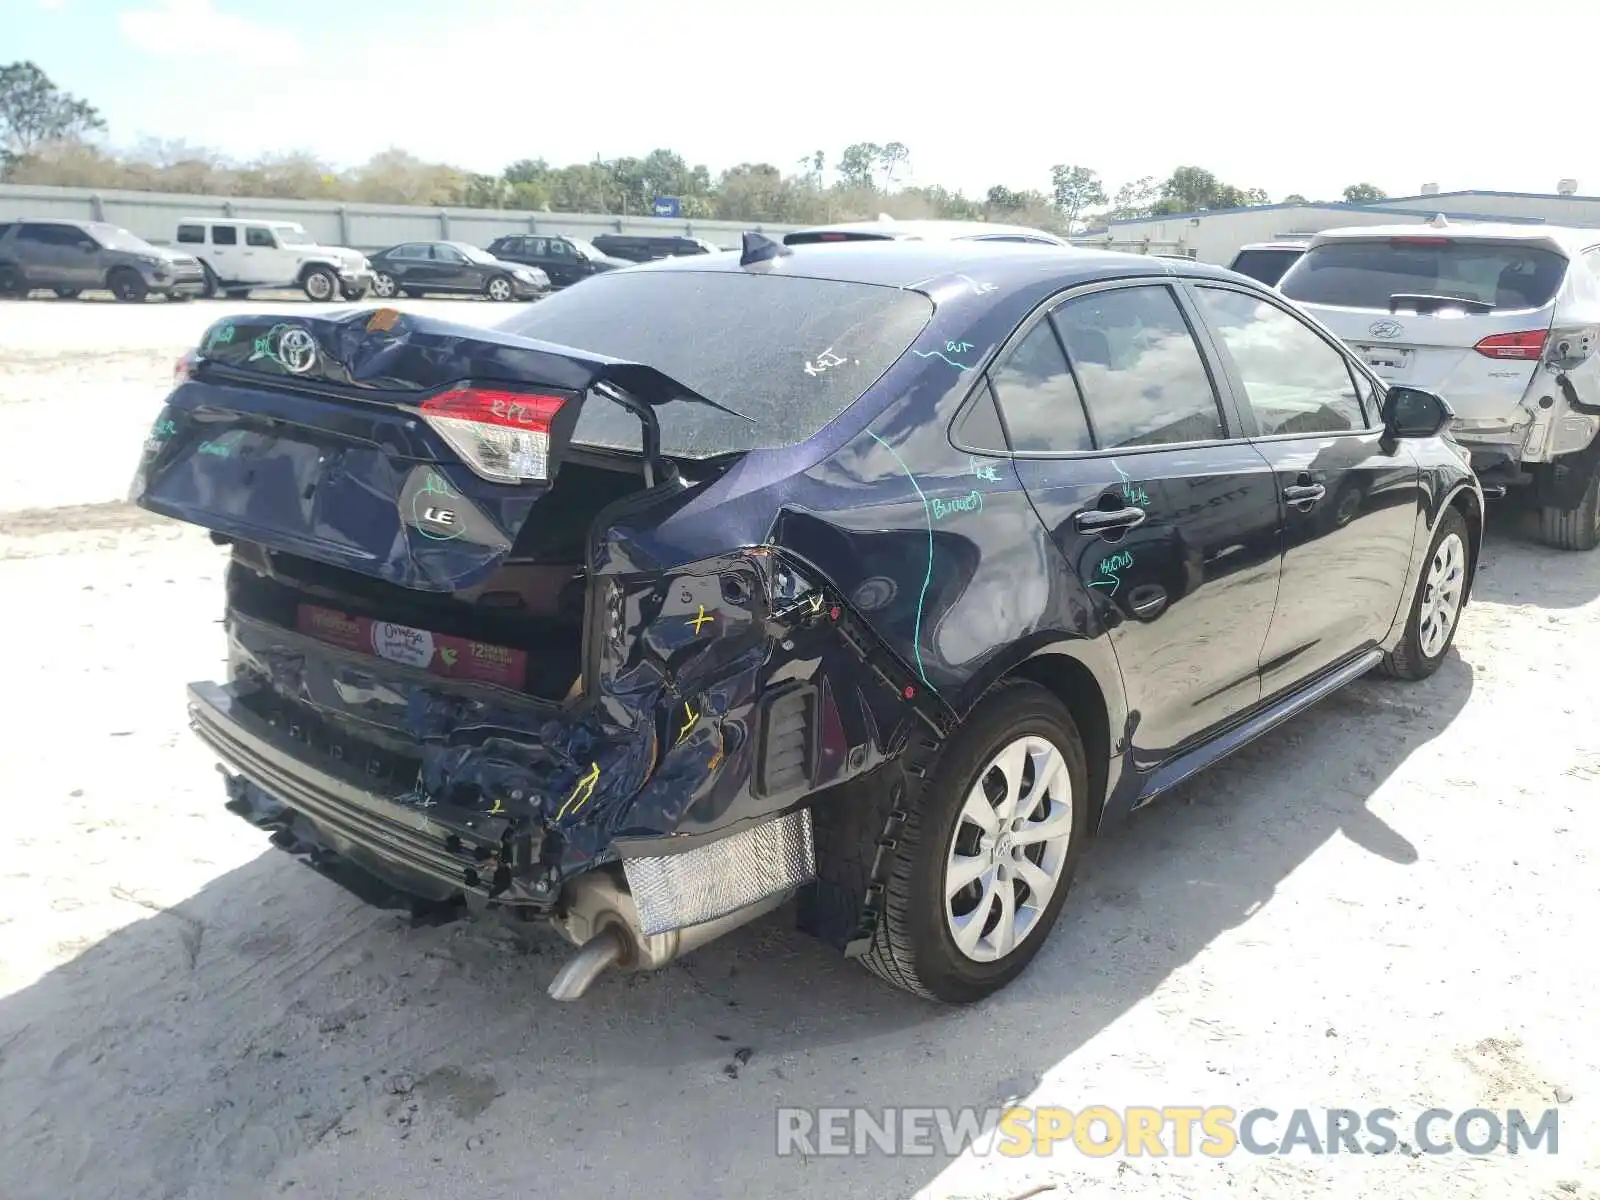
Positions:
{"x": 1295, "y": 198}
{"x": 1133, "y": 199}
{"x": 1000, "y": 198}
{"x": 894, "y": 156}
{"x": 34, "y": 111}
{"x": 1075, "y": 189}
{"x": 858, "y": 162}
{"x": 1363, "y": 193}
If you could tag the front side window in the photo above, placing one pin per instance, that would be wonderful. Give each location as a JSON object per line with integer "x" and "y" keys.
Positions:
{"x": 255, "y": 235}
{"x": 1143, "y": 378}
{"x": 1038, "y": 398}
{"x": 1295, "y": 381}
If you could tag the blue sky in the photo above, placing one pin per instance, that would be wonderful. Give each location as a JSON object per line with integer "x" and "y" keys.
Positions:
{"x": 1397, "y": 93}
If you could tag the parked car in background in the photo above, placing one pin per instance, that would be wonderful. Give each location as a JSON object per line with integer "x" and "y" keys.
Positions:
{"x": 703, "y": 584}
{"x": 886, "y": 229}
{"x": 1267, "y": 261}
{"x": 1503, "y": 321}
{"x": 416, "y": 268}
{"x": 565, "y": 260}
{"x": 643, "y": 248}
{"x": 71, "y": 257}
{"x": 239, "y": 256}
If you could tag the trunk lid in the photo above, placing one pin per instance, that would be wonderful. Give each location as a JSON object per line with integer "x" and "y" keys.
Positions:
{"x": 403, "y": 448}
{"x": 1466, "y": 317}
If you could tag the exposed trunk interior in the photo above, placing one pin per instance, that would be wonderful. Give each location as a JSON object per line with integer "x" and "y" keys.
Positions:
{"x": 533, "y": 602}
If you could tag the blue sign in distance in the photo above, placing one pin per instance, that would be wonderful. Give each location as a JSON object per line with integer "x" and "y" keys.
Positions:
{"x": 668, "y": 206}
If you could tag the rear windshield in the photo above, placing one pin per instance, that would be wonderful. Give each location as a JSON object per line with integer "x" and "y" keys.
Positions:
{"x": 790, "y": 353}
{"x": 1266, "y": 265}
{"x": 1366, "y": 274}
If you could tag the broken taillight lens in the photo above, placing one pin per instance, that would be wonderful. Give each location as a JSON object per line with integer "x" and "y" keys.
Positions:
{"x": 503, "y": 436}
{"x": 183, "y": 369}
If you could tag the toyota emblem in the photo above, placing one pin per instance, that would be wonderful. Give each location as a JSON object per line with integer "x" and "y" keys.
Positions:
{"x": 1386, "y": 329}
{"x": 297, "y": 350}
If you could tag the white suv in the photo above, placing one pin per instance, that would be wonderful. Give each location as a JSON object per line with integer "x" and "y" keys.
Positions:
{"x": 239, "y": 255}
{"x": 1503, "y": 321}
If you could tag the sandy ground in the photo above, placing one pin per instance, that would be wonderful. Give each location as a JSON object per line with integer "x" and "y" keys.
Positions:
{"x": 1389, "y": 903}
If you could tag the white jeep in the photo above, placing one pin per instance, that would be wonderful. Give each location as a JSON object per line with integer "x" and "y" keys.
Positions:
{"x": 241, "y": 255}
{"x": 1501, "y": 320}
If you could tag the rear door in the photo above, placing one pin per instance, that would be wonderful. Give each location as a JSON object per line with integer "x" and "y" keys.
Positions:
{"x": 1164, "y": 514}
{"x": 1462, "y": 316}
{"x": 1349, "y": 499}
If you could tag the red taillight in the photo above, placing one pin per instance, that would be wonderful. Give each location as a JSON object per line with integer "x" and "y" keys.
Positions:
{"x": 184, "y": 367}
{"x": 503, "y": 436}
{"x": 1419, "y": 241}
{"x": 834, "y": 237}
{"x": 1529, "y": 345}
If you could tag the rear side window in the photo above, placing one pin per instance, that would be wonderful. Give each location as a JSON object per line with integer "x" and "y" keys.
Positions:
{"x": 1266, "y": 265}
{"x": 191, "y": 235}
{"x": 224, "y": 235}
{"x": 1492, "y": 276}
{"x": 1041, "y": 404}
{"x": 1294, "y": 381}
{"x": 790, "y": 353}
{"x": 1141, "y": 372}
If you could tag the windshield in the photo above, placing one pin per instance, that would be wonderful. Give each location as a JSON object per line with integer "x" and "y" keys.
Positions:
{"x": 586, "y": 249}
{"x": 1363, "y": 274}
{"x": 292, "y": 235}
{"x": 114, "y": 237}
{"x": 790, "y": 353}
{"x": 1266, "y": 265}
{"x": 473, "y": 253}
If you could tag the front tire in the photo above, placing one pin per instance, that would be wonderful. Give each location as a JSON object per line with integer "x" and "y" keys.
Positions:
{"x": 1436, "y": 607}
{"x": 1574, "y": 528}
{"x": 320, "y": 285}
{"x": 128, "y": 286}
{"x": 11, "y": 283}
{"x": 498, "y": 288}
{"x": 985, "y": 858}
{"x": 384, "y": 286}
{"x": 354, "y": 292}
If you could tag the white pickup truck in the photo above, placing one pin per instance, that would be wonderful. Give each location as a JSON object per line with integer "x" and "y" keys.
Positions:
{"x": 241, "y": 255}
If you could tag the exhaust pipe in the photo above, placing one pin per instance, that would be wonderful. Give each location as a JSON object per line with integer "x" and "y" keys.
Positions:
{"x": 603, "y": 922}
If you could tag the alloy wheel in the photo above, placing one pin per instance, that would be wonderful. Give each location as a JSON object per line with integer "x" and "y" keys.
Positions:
{"x": 1009, "y": 849}
{"x": 1441, "y": 596}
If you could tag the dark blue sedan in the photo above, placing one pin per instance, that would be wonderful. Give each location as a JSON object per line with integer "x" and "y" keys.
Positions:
{"x": 880, "y": 575}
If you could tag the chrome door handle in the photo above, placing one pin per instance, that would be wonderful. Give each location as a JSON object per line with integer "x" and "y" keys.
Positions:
{"x": 1098, "y": 520}
{"x": 1304, "y": 493}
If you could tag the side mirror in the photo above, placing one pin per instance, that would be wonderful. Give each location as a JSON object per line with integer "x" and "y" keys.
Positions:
{"x": 1410, "y": 412}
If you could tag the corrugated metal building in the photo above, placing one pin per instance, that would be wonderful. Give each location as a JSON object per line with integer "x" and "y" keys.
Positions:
{"x": 1215, "y": 236}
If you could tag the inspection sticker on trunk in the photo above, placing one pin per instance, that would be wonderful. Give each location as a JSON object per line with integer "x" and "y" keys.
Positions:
{"x": 452, "y": 657}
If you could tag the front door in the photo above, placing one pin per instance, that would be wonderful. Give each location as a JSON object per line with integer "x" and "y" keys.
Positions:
{"x": 1349, "y": 498}
{"x": 1166, "y": 518}
{"x": 226, "y": 254}
{"x": 451, "y": 270}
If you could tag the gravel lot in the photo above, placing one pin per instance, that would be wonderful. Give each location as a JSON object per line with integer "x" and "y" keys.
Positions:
{"x": 1383, "y": 905}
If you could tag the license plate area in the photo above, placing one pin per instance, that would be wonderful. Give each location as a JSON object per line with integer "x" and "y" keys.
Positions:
{"x": 1388, "y": 361}
{"x": 383, "y": 769}
{"x": 437, "y": 653}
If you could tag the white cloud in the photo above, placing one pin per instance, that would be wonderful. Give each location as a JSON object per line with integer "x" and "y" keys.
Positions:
{"x": 175, "y": 28}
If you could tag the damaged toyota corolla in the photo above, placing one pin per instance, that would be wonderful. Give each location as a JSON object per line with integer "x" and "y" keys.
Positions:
{"x": 875, "y": 577}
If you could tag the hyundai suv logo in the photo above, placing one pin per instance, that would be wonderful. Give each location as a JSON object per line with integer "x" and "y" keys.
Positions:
{"x": 1386, "y": 329}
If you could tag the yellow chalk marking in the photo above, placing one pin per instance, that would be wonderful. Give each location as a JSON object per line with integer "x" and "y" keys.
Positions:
{"x": 688, "y": 724}
{"x": 816, "y": 603}
{"x": 700, "y": 620}
{"x": 498, "y": 807}
{"x": 583, "y": 789}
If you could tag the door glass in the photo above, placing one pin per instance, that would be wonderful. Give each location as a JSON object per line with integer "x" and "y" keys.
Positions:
{"x": 445, "y": 254}
{"x": 1294, "y": 380}
{"x": 1140, "y": 370}
{"x": 1041, "y": 404}
{"x": 559, "y": 249}
{"x": 254, "y": 235}
{"x": 191, "y": 235}
{"x": 224, "y": 235}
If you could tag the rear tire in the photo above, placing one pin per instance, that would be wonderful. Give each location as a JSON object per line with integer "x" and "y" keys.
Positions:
{"x": 1435, "y": 613}
{"x": 237, "y": 293}
{"x": 68, "y": 293}
{"x": 972, "y": 822}
{"x": 412, "y": 293}
{"x": 10, "y": 284}
{"x": 384, "y": 286}
{"x": 212, "y": 285}
{"x": 128, "y": 286}
{"x": 1574, "y": 528}
{"x": 498, "y": 288}
{"x": 320, "y": 285}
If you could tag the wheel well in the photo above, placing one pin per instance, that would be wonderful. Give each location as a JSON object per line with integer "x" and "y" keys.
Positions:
{"x": 316, "y": 266}
{"x": 1467, "y": 504}
{"x": 1072, "y": 683}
